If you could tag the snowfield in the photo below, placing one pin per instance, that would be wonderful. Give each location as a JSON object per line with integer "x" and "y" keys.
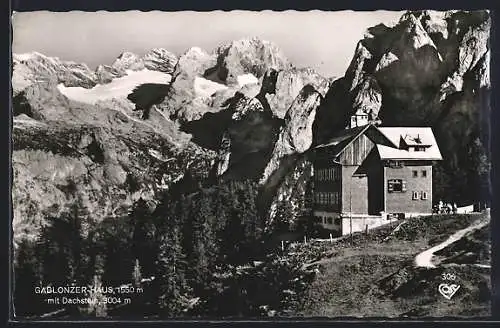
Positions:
{"x": 247, "y": 79}
{"x": 118, "y": 88}
{"x": 205, "y": 88}
{"x": 25, "y": 56}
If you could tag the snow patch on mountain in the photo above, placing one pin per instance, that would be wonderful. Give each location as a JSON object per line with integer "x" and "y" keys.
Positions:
{"x": 25, "y": 56}
{"x": 117, "y": 88}
{"x": 247, "y": 79}
{"x": 205, "y": 88}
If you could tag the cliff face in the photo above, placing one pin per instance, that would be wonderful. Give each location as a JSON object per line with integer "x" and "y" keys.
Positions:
{"x": 282, "y": 87}
{"x": 251, "y": 134}
{"x": 296, "y": 135}
{"x": 103, "y": 169}
{"x": 247, "y": 56}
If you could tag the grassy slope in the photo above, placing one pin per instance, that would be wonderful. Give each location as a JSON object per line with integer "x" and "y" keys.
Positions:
{"x": 376, "y": 278}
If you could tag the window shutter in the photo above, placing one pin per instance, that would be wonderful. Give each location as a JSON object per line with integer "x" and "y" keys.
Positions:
{"x": 390, "y": 186}
{"x": 403, "y": 186}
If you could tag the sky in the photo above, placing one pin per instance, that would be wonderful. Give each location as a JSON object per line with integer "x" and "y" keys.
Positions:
{"x": 324, "y": 41}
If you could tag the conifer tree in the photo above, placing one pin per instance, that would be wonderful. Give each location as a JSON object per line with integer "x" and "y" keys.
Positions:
{"x": 170, "y": 265}
{"x": 26, "y": 278}
{"x": 137, "y": 274}
{"x": 97, "y": 305}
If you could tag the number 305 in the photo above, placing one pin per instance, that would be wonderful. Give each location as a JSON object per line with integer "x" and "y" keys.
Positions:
{"x": 448, "y": 276}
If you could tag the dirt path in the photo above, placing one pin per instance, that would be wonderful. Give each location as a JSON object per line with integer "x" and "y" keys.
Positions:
{"x": 424, "y": 259}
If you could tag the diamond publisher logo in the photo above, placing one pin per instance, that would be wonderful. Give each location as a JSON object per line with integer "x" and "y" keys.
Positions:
{"x": 448, "y": 290}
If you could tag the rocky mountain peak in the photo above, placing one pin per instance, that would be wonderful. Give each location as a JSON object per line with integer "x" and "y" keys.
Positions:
{"x": 248, "y": 55}
{"x": 128, "y": 60}
{"x": 35, "y": 67}
{"x": 159, "y": 59}
{"x": 280, "y": 88}
{"x": 435, "y": 22}
{"x": 194, "y": 62}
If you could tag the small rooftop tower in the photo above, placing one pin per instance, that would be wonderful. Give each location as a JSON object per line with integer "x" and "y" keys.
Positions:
{"x": 360, "y": 118}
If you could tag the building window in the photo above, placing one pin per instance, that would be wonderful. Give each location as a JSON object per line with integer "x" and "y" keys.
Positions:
{"x": 337, "y": 221}
{"x": 424, "y": 173}
{"x": 330, "y": 220}
{"x": 396, "y": 185}
{"x": 424, "y": 195}
{"x": 415, "y": 195}
{"x": 395, "y": 164}
{"x": 335, "y": 196}
{"x": 415, "y": 174}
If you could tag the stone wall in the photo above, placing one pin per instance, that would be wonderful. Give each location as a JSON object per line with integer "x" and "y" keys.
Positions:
{"x": 359, "y": 223}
